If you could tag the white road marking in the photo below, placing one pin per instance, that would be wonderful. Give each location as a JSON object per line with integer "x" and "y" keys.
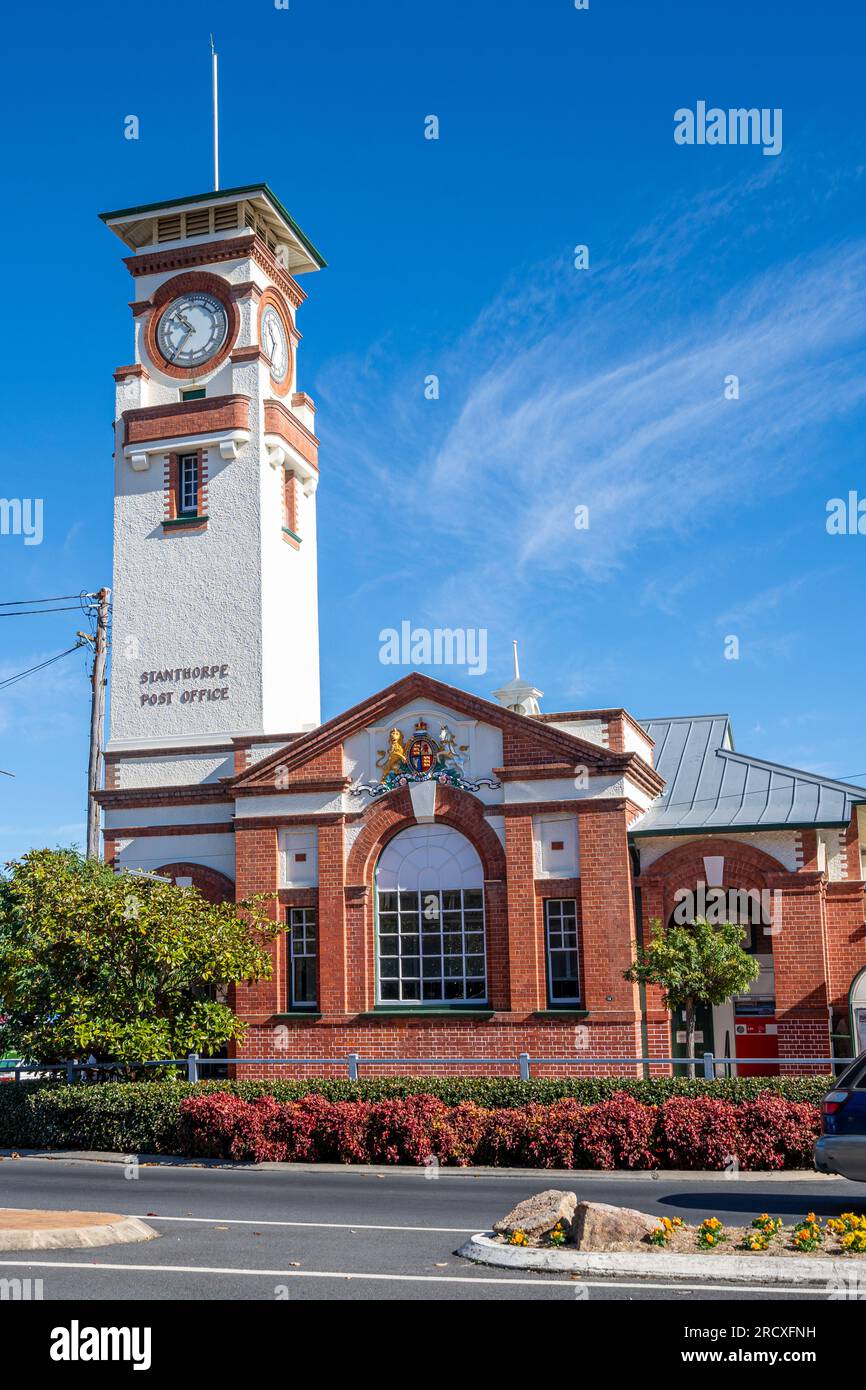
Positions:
{"x": 348, "y": 1275}
{"x": 312, "y": 1225}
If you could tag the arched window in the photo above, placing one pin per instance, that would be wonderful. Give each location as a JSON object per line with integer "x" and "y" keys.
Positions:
{"x": 430, "y": 919}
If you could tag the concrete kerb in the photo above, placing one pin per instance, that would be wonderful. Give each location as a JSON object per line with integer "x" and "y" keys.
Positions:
{"x": 723, "y": 1269}
{"x": 32, "y": 1229}
{"x": 571, "y": 1175}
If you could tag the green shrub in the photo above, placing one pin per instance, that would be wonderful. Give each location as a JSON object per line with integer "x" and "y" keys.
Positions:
{"x": 142, "y": 1117}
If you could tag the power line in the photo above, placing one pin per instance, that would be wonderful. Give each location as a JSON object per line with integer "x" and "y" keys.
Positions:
{"x": 13, "y": 680}
{"x": 58, "y": 598}
{"x": 28, "y": 613}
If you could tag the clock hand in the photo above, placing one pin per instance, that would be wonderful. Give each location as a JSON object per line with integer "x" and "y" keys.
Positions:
{"x": 180, "y": 344}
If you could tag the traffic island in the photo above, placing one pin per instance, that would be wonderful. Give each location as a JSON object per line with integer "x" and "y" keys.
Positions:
{"x": 554, "y": 1232}
{"x": 23, "y": 1228}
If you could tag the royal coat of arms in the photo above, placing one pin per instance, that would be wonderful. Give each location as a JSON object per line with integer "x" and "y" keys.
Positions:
{"x": 422, "y": 758}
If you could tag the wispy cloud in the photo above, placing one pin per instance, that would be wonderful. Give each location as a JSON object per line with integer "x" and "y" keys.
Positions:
{"x": 605, "y": 389}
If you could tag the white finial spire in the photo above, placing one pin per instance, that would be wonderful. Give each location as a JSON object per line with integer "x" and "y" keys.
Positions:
{"x": 215, "y": 86}
{"x": 518, "y": 695}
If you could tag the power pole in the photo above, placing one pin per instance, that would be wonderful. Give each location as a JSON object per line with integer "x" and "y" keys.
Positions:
{"x": 97, "y": 722}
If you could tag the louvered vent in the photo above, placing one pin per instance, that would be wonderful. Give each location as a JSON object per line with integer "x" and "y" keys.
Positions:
{"x": 168, "y": 228}
{"x": 225, "y": 218}
{"x": 198, "y": 223}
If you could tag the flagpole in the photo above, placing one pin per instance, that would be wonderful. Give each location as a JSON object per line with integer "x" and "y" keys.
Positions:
{"x": 215, "y": 85}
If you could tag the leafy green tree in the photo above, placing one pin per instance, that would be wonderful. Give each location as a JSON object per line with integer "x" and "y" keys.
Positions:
{"x": 696, "y": 963}
{"x": 122, "y": 965}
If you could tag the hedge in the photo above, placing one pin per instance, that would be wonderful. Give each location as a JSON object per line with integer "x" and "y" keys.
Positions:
{"x": 142, "y": 1117}
{"x": 620, "y": 1132}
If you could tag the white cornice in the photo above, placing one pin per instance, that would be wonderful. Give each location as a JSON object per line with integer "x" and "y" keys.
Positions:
{"x": 227, "y": 441}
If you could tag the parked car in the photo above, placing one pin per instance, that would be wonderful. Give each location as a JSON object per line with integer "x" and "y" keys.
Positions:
{"x": 842, "y": 1145}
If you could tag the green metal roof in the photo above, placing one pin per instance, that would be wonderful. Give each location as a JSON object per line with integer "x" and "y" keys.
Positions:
{"x": 249, "y": 190}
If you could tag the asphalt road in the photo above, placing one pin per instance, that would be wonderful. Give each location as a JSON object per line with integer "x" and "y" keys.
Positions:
{"x": 356, "y": 1233}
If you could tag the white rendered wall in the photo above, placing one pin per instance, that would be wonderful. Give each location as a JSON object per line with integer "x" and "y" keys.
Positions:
{"x": 234, "y": 595}
{"x": 150, "y": 852}
{"x": 781, "y": 844}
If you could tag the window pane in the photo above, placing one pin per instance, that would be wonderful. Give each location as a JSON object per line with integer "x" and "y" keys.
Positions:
{"x": 301, "y": 946}
{"x": 563, "y": 983}
{"x": 418, "y": 945}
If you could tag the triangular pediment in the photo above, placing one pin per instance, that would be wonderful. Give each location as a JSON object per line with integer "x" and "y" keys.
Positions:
{"x": 524, "y": 742}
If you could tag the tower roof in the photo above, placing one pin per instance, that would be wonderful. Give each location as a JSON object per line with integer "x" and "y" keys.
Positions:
{"x": 151, "y": 224}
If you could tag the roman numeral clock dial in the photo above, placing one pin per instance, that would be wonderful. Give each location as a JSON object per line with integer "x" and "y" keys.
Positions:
{"x": 192, "y": 329}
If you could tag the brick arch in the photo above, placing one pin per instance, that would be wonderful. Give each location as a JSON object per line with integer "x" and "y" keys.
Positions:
{"x": 213, "y": 886}
{"x": 460, "y": 810}
{"x": 745, "y": 867}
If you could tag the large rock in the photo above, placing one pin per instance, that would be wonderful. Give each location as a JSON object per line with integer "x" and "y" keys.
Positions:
{"x": 600, "y": 1226}
{"x": 539, "y": 1214}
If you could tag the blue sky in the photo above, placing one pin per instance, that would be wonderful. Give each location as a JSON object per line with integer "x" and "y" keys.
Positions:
{"x": 558, "y": 387}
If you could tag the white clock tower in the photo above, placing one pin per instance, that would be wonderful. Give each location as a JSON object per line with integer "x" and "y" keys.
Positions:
{"x": 215, "y": 622}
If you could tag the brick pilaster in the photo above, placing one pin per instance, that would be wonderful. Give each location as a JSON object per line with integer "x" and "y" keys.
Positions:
{"x": 333, "y": 959}
{"x": 524, "y": 966}
{"x": 257, "y": 871}
{"x": 607, "y": 915}
{"x": 800, "y": 963}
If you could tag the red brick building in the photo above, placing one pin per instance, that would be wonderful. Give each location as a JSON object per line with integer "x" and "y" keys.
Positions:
{"x": 461, "y": 877}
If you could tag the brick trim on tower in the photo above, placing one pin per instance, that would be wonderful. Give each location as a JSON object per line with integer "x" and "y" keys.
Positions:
{"x": 191, "y": 282}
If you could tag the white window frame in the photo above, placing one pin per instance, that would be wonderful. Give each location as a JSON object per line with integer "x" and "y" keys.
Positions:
{"x": 560, "y": 925}
{"x": 425, "y": 907}
{"x": 188, "y": 484}
{"x": 305, "y": 918}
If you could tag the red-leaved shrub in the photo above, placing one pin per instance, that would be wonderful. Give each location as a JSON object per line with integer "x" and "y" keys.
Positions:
{"x": 618, "y": 1133}
{"x": 621, "y": 1132}
{"x": 218, "y": 1126}
{"x": 777, "y": 1133}
{"x": 697, "y": 1133}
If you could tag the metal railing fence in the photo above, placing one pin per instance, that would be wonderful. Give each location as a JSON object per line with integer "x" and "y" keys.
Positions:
{"x": 707, "y": 1065}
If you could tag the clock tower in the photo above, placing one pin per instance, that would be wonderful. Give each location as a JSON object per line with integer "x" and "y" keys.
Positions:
{"x": 215, "y": 622}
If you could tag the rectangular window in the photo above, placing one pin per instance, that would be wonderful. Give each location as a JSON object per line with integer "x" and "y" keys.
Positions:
{"x": 560, "y": 941}
{"x": 303, "y": 958}
{"x": 188, "y": 485}
{"x": 193, "y": 393}
{"x": 431, "y": 947}
{"x": 290, "y": 506}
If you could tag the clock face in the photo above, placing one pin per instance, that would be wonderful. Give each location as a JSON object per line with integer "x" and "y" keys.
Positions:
{"x": 192, "y": 329}
{"x": 275, "y": 343}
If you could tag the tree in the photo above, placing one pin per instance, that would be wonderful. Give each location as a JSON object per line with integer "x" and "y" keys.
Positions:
{"x": 696, "y": 963}
{"x": 121, "y": 965}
